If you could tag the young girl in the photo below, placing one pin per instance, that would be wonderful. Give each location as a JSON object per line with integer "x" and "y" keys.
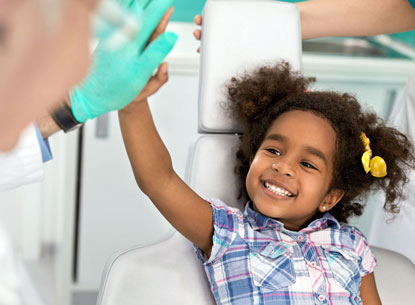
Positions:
{"x": 305, "y": 163}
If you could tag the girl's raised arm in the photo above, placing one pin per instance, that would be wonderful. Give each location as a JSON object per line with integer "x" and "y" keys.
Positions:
{"x": 154, "y": 173}
{"x": 368, "y": 291}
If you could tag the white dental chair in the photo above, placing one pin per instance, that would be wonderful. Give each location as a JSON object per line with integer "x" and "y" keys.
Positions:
{"x": 168, "y": 272}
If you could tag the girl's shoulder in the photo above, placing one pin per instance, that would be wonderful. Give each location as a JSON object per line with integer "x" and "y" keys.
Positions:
{"x": 362, "y": 251}
{"x": 223, "y": 213}
{"x": 356, "y": 238}
{"x": 217, "y": 204}
{"x": 338, "y": 233}
{"x": 353, "y": 231}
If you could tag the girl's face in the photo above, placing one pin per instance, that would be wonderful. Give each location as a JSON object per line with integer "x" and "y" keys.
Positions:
{"x": 291, "y": 172}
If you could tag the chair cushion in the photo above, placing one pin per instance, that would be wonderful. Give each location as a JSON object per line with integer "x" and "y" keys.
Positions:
{"x": 395, "y": 277}
{"x": 164, "y": 273}
{"x": 210, "y": 168}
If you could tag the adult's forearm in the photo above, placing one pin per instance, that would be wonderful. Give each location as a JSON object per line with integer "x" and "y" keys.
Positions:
{"x": 322, "y": 18}
{"x": 47, "y": 125}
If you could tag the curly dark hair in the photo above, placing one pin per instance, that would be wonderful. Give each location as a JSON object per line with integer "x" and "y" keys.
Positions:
{"x": 258, "y": 98}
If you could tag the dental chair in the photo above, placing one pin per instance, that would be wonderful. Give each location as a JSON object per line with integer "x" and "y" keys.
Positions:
{"x": 168, "y": 272}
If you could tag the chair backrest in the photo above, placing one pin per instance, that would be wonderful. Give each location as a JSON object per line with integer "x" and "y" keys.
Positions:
{"x": 237, "y": 35}
{"x": 395, "y": 277}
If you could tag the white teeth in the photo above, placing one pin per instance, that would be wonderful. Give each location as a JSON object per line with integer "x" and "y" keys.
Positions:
{"x": 277, "y": 190}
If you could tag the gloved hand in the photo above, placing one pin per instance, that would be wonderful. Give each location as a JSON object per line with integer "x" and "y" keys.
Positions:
{"x": 118, "y": 76}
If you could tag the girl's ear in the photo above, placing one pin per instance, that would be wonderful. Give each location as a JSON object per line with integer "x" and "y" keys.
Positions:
{"x": 331, "y": 199}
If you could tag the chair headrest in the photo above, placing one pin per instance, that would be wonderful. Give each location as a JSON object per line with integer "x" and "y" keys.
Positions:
{"x": 238, "y": 36}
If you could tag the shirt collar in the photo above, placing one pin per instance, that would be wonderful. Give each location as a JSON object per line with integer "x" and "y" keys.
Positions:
{"x": 260, "y": 222}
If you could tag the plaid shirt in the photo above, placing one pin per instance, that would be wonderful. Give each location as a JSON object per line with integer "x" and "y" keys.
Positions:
{"x": 255, "y": 260}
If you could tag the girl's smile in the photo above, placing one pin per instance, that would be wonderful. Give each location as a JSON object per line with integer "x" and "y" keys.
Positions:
{"x": 277, "y": 189}
{"x": 291, "y": 172}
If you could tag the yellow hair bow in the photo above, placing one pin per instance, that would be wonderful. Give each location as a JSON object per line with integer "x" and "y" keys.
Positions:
{"x": 376, "y": 165}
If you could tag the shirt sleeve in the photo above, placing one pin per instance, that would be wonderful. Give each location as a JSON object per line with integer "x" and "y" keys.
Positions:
{"x": 226, "y": 223}
{"x": 367, "y": 262}
{"x": 23, "y": 164}
{"x": 44, "y": 146}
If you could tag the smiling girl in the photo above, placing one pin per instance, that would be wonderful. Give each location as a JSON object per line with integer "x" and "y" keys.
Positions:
{"x": 305, "y": 165}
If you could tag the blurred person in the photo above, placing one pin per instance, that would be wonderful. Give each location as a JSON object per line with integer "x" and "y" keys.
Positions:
{"x": 40, "y": 63}
{"x": 42, "y": 69}
{"x": 41, "y": 59}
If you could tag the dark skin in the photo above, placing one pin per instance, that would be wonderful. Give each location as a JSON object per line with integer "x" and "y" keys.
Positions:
{"x": 368, "y": 290}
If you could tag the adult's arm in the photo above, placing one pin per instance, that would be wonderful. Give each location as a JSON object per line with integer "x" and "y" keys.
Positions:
{"x": 322, "y": 18}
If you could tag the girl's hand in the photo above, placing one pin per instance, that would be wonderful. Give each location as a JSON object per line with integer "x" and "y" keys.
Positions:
{"x": 160, "y": 78}
{"x": 153, "y": 85}
{"x": 118, "y": 76}
{"x": 161, "y": 27}
{"x": 198, "y": 33}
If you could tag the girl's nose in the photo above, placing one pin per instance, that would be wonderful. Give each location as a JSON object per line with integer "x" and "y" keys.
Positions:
{"x": 283, "y": 168}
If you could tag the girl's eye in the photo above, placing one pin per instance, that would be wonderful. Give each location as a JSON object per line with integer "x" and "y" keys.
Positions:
{"x": 273, "y": 151}
{"x": 308, "y": 165}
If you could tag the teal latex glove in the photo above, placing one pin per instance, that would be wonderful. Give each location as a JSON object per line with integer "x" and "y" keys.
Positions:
{"x": 118, "y": 76}
{"x": 113, "y": 24}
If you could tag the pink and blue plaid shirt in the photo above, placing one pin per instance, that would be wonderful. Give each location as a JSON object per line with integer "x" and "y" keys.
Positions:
{"x": 255, "y": 260}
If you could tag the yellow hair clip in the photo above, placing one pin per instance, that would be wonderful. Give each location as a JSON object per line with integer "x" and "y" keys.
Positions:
{"x": 376, "y": 165}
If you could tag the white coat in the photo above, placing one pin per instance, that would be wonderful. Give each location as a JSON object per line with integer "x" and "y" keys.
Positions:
{"x": 20, "y": 166}
{"x": 23, "y": 164}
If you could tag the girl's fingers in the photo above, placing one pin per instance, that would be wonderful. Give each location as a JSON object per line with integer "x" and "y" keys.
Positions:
{"x": 197, "y": 34}
{"x": 154, "y": 83}
{"x": 161, "y": 27}
{"x": 198, "y": 19}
